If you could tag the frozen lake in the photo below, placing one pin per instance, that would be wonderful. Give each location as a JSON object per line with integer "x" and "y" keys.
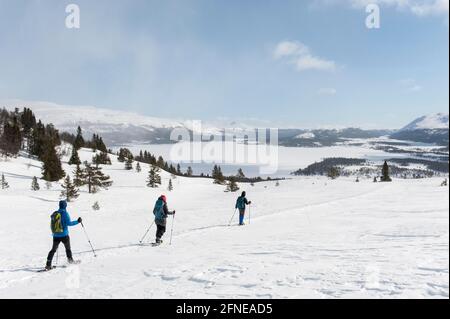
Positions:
{"x": 285, "y": 159}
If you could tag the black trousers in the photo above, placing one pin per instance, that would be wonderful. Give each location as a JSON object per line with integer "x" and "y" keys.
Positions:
{"x": 160, "y": 230}
{"x": 56, "y": 242}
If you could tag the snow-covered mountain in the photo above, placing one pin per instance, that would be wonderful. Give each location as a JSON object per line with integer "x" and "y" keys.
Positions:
{"x": 433, "y": 128}
{"x": 428, "y": 122}
{"x": 121, "y": 127}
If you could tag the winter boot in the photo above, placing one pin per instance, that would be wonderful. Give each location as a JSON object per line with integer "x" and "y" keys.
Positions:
{"x": 48, "y": 265}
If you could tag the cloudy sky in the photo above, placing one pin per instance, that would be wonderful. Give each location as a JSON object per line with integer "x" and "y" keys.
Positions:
{"x": 299, "y": 62}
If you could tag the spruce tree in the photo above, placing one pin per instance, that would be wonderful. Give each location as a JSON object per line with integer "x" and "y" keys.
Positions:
{"x": 11, "y": 139}
{"x": 333, "y": 172}
{"x": 179, "y": 169}
{"x": 70, "y": 191}
{"x": 78, "y": 179}
{"x": 129, "y": 164}
{"x": 153, "y": 179}
{"x": 385, "y": 173}
{"x": 240, "y": 174}
{"x": 101, "y": 159}
{"x": 217, "y": 175}
{"x": 138, "y": 167}
{"x": 3, "y": 183}
{"x": 79, "y": 140}
{"x": 35, "y": 184}
{"x": 74, "y": 159}
{"x": 94, "y": 178}
{"x": 189, "y": 172}
{"x": 232, "y": 185}
{"x": 124, "y": 154}
{"x": 51, "y": 168}
{"x": 170, "y": 187}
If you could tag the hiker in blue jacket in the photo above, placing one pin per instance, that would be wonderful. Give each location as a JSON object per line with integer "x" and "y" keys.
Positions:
{"x": 60, "y": 229}
{"x": 161, "y": 212}
{"x": 241, "y": 202}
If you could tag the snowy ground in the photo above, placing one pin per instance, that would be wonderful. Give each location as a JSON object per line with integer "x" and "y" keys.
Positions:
{"x": 307, "y": 238}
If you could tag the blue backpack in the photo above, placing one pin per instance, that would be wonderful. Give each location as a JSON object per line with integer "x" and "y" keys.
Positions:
{"x": 158, "y": 211}
{"x": 240, "y": 203}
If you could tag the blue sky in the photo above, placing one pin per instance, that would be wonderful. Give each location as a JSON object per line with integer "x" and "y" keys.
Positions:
{"x": 309, "y": 62}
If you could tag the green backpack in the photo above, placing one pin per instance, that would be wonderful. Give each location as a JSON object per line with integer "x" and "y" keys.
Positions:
{"x": 56, "y": 223}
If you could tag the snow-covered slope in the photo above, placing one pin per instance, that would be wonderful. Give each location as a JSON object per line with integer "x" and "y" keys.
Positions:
{"x": 308, "y": 237}
{"x": 428, "y": 122}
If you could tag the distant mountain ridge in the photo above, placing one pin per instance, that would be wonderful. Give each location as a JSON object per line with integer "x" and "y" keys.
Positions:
{"x": 428, "y": 122}
{"x": 432, "y": 129}
{"x": 121, "y": 127}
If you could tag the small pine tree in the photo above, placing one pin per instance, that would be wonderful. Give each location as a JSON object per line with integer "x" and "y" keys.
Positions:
{"x": 94, "y": 178}
{"x": 3, "y": 183}
{"x": 74, "y": 159}
{"x": 170, "y": 187}
{"x": 35, "y": 184}
{"x": 79, "y": 140}
{"x": 153, "y": 177}
{"x": 51, "y": 168}
{"x": 138, "y": 167}
{"x": 78, "y": 176}
{"x": 333, "y": 173}
{"x": 232, "y": 185}
{"x": 444, "y": 183}
{"x": 101, "y": 159}
{"x": 217, "y": 175}
{"x": 357, "y": 179}
{"x": 48, "y": 185}
{"x": 385, "y": 173}
{"x": 70, "y": 191}
{"x": 375, "y": 180}
{"x": 96, "y": 206}
{"x": 129, "y": 164}
{"x": 189, "y": 172}
{"x": 240, "y": 173}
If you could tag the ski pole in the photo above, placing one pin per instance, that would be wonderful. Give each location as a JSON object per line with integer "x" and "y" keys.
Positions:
{"x": 249, "y": 214}
{"x": 140, "y": 242}
{"x": 232, "y": 217}
{"x": 88, "y": 239}
{"x": 171, "y": 231}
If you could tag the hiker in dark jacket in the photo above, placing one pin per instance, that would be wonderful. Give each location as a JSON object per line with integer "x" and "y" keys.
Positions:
{"x": 60, "y": 229}
{"x": 161, "y": 213}
{"x": 241, "y": 202}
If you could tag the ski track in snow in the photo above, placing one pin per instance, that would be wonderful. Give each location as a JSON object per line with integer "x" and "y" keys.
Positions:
{"x": 308, "y": 238}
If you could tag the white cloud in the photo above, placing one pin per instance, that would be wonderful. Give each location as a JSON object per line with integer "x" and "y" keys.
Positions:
{"x": 438, "y": 7}
{"x": 327, "y": 91}
{"x": 417, "y": 7}
{"x": 288, "y": 48}
{"x": 300, "y": 56}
